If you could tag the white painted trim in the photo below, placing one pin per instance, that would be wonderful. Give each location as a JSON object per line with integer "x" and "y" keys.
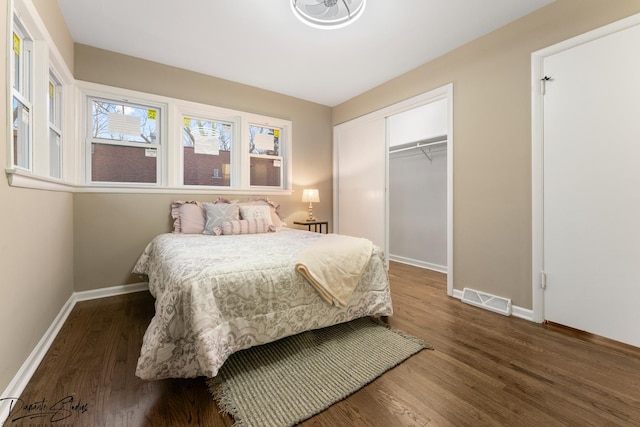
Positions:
{"x": 110, "y": 292}
{"x": 516, "y": 311}
{"x": 418, "y": 263}
{"x": 537, "y": 187}
{"x": 28, "y": 368}
{"x": 26, "y": 371}
{"x": 181, "y": 190}
{"x": 22, "y": 179}
{"x": 46, "y": 57}
{"x": 537, "y": 149}
{"x": 450, "y": 139}
{"x": 522, "y": 313}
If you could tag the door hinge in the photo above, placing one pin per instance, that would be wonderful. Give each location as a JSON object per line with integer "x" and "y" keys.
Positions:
{"x": 543, "y": 280}
{"x": 543, "y": 84}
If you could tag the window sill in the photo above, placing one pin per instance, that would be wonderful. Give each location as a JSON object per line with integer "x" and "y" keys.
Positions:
{"x": 181, "y": 190}
{"x": 22, "y": 179}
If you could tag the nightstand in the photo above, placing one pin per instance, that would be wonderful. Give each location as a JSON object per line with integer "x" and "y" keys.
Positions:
{"x": 315, "y": 224}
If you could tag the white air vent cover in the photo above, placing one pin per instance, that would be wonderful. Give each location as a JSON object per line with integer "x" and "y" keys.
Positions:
{"x": 487, "y": 301}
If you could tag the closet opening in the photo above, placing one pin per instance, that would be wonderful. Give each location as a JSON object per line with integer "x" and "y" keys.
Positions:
{"x": 418, "y": 186}
{"x": 376, "y": 197}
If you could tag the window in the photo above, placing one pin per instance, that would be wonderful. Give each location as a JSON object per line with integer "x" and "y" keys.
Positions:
{"x": 37, "y": 101}
{"x": 207, "y": 149}
{"x": 21, "y": 102}
{"x": 55, "y": 127}
{"x": 124, "y": 142}
{"x": 141, "y": 140}
{"x": 265, "y": 157}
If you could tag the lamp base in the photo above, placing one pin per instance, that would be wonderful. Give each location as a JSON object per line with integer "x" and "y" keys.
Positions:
{"x": 311, "y": 218}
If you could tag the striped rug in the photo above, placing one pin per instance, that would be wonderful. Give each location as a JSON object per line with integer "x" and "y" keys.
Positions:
{"x": 290, "y": 380}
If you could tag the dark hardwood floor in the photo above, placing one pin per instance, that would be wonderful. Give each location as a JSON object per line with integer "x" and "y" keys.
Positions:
{"x": 486, "y": 370}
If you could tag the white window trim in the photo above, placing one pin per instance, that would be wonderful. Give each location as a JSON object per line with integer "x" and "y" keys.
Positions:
{"x": 286, "y": 153}
{"x": 175, "y": 110}
{"x": 46, "y": 59}
{"x": 160, "y": 146}
{"x": 73, "y": 119}
{"x": 23, "y": 179}
{"x": 40, "y": 112}
{"x": 193, "y": 110}
{"x": 24, "y": 93}
{"x": 55, "y": 122}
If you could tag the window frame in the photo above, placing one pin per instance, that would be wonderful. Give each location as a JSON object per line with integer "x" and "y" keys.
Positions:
{"x": 43, "y": 58}
{"x": 279, "y": 157}
{"x": 172, "y": 145}
{"x": 215, "y": 115}
{"x": 22, "y": 69}
{"x": 159, "y": 146}
{"x": 55, "y": 112}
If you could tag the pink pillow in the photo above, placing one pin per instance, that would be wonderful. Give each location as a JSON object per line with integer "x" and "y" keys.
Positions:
{"x": 188, "y": 217}
{"x": 247, "y": 226}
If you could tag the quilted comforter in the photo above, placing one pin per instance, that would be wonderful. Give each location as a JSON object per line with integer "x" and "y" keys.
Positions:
{"x": 217, "y": 295}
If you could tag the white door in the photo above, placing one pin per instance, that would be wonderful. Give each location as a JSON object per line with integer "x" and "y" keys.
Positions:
{"x": 592, "y": 187}
{"x": 360, "y": 154}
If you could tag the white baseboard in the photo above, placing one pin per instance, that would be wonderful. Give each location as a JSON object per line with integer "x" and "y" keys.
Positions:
{"x": 110, "y": 292}
{"x": 28, "y": 368}
{"x": 516, "y": 311}
{"x": 24, "y": 374}
{"x": 418, "y": 263}
{"x": 522, "y": 313}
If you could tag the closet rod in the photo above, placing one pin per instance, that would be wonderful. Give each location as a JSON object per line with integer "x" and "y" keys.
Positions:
{"x": 418, "y": 145}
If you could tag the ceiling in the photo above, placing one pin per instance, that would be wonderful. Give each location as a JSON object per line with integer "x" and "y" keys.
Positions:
{"x": 261, "y": 43}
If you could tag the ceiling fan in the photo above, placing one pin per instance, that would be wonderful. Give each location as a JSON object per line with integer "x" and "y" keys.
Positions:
{"x": 328, "y": 14}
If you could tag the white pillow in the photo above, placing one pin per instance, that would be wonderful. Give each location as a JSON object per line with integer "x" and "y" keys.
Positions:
{"x": 256, "y": 212}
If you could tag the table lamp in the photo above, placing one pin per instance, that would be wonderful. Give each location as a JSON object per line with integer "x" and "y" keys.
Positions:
{"x": 310, "y": 195}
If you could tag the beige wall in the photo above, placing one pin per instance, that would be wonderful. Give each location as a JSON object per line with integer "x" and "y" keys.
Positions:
{"x": 492, "y": 133}
{"x": 54, "y": 243}
{"x": 111, "y": 230}
{"x": 36, "y": 254}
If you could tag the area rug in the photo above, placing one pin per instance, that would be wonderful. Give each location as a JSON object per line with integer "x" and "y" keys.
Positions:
{"x": 287, "y": 381}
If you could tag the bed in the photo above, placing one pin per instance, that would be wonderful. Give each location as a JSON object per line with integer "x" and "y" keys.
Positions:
{"x": 215, "y": 295}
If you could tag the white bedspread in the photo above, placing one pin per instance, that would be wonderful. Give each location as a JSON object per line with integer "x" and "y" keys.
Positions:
{"x": 216, "y": 295}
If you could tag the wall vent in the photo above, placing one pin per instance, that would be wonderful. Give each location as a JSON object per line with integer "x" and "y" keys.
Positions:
{"x": 487, "y": 301}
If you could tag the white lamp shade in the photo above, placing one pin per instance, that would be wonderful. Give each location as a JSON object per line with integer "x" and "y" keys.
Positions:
{"x": 311, "y": 195}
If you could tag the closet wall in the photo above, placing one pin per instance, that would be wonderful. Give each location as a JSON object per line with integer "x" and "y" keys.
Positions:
{"x": 418, "y": 186}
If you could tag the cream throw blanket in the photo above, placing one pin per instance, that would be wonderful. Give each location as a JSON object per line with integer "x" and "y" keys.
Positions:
{"x": 333, "y": 264}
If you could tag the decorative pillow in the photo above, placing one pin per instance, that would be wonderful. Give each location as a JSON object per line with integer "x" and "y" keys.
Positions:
{"x": 188, "y": 217}
{"x": 217, "y": 214}
{"x": 247, "y": 226}
{"x": 276, "y": 219}
{"x": 256, "y": 212}
{"x": 222, "y": 200}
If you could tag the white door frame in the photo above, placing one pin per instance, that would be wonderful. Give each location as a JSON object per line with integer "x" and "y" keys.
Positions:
{"x": 537, "y": 149}
{"x": 443, "y": 92}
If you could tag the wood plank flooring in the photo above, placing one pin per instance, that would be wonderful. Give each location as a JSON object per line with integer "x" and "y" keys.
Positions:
{"x": 486, "y": 370}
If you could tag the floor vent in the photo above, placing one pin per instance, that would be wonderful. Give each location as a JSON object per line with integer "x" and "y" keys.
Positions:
{"x": 487, "y": 301}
